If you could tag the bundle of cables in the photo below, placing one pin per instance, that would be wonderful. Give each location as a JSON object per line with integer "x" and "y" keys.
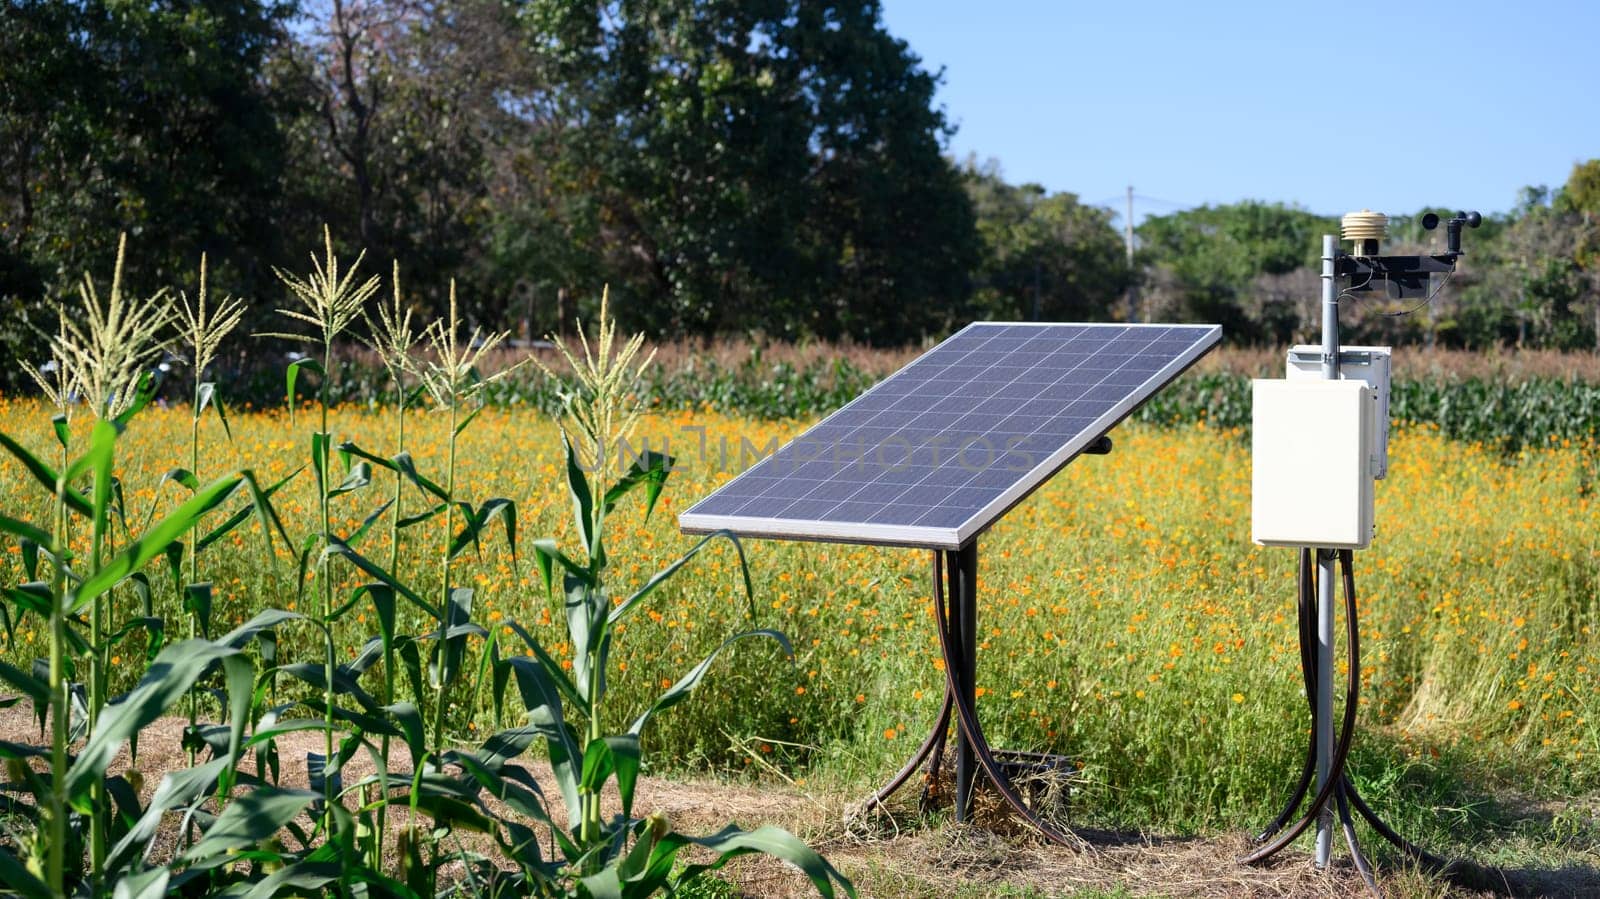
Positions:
{"x": 1338, "y": 787}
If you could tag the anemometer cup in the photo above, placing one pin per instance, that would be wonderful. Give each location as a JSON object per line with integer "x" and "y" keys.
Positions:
{"x": 1452, "y": 228}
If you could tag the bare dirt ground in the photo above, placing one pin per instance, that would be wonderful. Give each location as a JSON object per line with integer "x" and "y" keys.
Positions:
{"x": 904, "y": 855}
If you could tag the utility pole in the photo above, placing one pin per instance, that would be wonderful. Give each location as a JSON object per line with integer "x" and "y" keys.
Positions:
{"x": 1036, "y": 290}
{"x": 1127, "y": 238}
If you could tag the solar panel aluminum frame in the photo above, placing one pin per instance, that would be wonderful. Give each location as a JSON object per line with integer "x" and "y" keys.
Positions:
{"x": 946, "y": 538}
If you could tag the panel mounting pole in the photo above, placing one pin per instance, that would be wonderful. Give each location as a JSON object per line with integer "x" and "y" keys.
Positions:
{"x": 1326, "y": 576}
{"x": 963, "y": 568}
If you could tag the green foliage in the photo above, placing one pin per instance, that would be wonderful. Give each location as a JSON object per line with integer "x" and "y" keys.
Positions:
{"x": 724, "y": 166}
{"x": 79, "y": 803}
{"x": 772, "y": 166}
{"x": 1046, "y": 257}
{"x": 1205, "y": 261}
{"x": 627, "y": 855}
{"x": 83, "y": 828}
{"x": 728, "y": 167}
{"x": 1528, "y": 285}
{"x": 146, "y": 118}
{"x": 756, "y": 386}
{"x": 1511, "y": 415}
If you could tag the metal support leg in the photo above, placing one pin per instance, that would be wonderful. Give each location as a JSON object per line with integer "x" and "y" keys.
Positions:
{"x": 963, "y": 568}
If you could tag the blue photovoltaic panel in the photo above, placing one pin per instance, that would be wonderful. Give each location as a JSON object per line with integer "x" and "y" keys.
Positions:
{"x": 935, "y": 453}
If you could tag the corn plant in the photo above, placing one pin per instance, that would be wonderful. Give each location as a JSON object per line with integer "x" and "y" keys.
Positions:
{"x": 202, "y": 328}
{"x": 394, "y": 339}
{"x": 625, "y": 855}
{"x": 105, "y": 359}
{"x": 449, "y": 376}
{"x": 86, "y": 830}
{"x": 328, "y": 303}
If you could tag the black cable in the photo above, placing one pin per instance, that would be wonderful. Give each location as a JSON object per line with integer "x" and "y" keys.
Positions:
{"x": 1346, "y": 797}
{"x": 1307, "y": 633}
{"x": 1349, "y": 827}
{"x": 1434, "y": 294}
{"x": 1341, "y": 749}
{"x": 932, "y": 747}
{"x": 967, "y": 719}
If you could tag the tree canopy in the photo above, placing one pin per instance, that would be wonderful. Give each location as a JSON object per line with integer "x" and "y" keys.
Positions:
{"x": 772, "y": 167}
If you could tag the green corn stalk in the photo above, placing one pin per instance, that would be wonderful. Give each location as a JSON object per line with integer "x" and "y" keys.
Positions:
{"x": 629, "y": 857}
{"x": 329, "y": 304}
{"x": 203, "y": 330}
{"x": 393, "y": 339}
{"x": 106, "y": 357}
{"x": 57, "y": 381}
{"x": 451, "y": 378}
{"x": 57, "y": 845}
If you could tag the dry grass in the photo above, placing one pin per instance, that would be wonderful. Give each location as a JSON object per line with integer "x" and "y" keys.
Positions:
{"x": 675, "y": 355}
{"x": 1409, "y": 362}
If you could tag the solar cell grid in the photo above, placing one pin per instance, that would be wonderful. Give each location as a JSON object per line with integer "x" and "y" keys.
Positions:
{"x": 933, "y": 454}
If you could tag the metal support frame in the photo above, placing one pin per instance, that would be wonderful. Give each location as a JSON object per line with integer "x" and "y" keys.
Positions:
{"x": 963, "y": 567}
{"x": 1326, "y": 754}
{"x": 1334, "y": 791}
{"x": 955, "y": 610}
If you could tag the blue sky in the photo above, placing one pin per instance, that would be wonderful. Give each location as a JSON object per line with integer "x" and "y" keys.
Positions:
{"x": 1334, "y": 106}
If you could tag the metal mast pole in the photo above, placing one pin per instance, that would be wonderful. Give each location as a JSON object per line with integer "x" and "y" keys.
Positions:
{"x": 1326, "y": 576}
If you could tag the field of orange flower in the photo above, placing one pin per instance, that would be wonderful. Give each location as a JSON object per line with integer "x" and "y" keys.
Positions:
{"x": 1126, "y": 619}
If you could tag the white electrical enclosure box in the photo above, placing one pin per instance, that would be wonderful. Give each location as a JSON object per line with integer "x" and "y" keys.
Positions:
{"x": 1368, "y": 364}
{"x": 1311, "y": 477}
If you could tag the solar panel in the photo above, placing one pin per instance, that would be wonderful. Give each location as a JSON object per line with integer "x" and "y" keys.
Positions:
{"x": 935, "y": 453}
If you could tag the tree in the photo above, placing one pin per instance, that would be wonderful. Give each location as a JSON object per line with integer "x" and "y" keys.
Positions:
{"x": 1212, "y": 256}
{"x": 1522, "y": 286}
{"x": 1045, "y": 256}
{"x": 146, "y": 118}
{"x": 1580, "y": 198}
{"x": 769, "y": 165}
{"x": 429, "y": 132}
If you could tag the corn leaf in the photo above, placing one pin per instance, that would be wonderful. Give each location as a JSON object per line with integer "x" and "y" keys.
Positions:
{"x": 250, "y": 819}
{"x": 208, "y": 397}
{"x": 661, "y": 576}
{"x": 153, "y": 542}
{"x": 17, "y": 877}
{"x": 292, "y": 375}
{"x": 651, "y": 470}
{"x": 612, "y": 755}
{"x": 542, "y": 699}
{"x": 686, "y": 684}
{"x": 731, "y": 842}
{"x": 166, "y": 681}
{"x": 45, "y": 475}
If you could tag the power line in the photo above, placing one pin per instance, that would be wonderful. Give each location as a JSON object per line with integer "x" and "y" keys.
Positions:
{"x": 1160, "y": 202}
